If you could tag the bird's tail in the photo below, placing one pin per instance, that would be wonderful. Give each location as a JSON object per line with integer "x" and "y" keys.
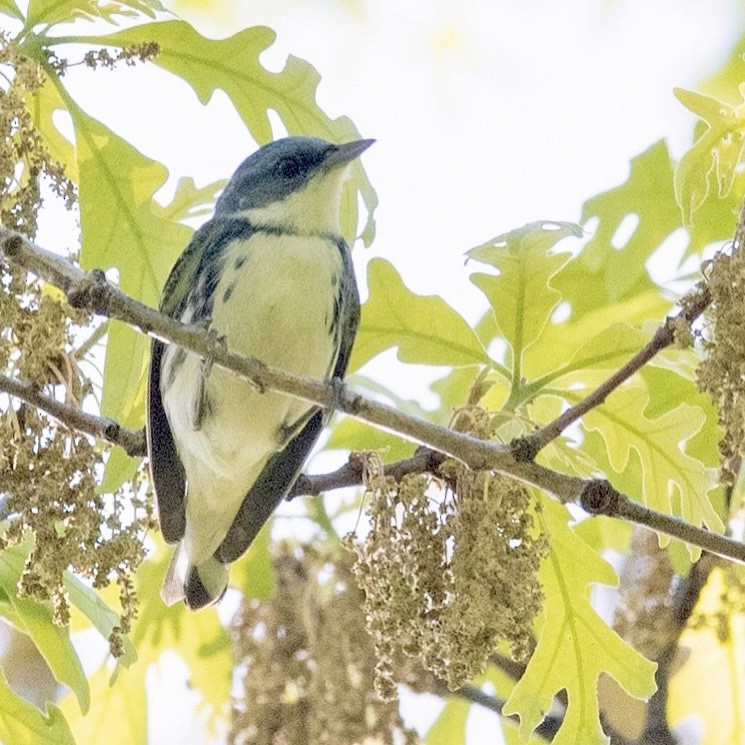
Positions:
{"x": 197, "y": 586}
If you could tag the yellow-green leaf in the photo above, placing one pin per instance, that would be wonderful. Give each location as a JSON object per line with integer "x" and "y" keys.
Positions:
{"x": 119, "y": 469}
{"x": 602, "y": 274}
{"x": 253, "y": 573}
{"x": 9, "y": 8}
{"x": 521, "y": 295}
{"x": 718, "y": 151}
{"x": 43, "y": 102}
{"x": 21, "y": 723}
{"x": 122, "y": 229}
{"x": 714, "y": 661}
{"x": 574, "y": 645}
{"x": 91, "y": 604}
{"x": 190, "y": 201}
{"x": 127, "y": 357}
{"x": 660, "y": 444}
{"x": 233, "y": 66}
{"x": 49, "y": 12}
{"x": 35, "y": 619}
{"x": 450, "y": 726}
{"x": 118, "y": 715}
{"x": 607, "y": 350}
{"x": 198, "y": 638}
{"x": 424, "y": 328}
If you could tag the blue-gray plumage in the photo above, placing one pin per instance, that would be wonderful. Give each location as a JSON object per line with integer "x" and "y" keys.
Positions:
{"x": 270, "y": 276}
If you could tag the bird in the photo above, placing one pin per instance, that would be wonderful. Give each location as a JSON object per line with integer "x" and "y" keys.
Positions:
{"x": 269, "y": 276}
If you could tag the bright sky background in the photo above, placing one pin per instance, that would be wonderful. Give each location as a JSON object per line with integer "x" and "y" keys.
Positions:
{"x": 488, "y": 114}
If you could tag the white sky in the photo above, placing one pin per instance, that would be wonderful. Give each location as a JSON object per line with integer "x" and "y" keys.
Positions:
{"x": 488, "y": 114}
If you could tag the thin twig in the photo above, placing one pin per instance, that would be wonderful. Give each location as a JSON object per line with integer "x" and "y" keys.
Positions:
{"x": 133, "y": 441}
{"x": 526, "y": 448}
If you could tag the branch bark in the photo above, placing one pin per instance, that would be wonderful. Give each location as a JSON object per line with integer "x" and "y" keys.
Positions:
{"x": 92, "y": 291}
{"x": 132, "y": 441}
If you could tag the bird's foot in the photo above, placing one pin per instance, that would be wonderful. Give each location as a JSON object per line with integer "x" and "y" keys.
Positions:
{"x": 337, "y": 396}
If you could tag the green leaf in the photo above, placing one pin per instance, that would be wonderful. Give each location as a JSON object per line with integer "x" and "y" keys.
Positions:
{"x": 660, "y": 443}
{"x": 49, "y": 12}
{"x": 607, "y": 350}
{"x": 350, "y": 434}
{"x": 119, "y": 712}
{"x": 119, "y": 469}
{"x": 43, "y": 102}
{"x": 104, "y": 619}
{"x": 21, "y": 723}
{"x": 561, "y": 350}
{"x": 601, "y": 274}
{"x": 717, "y": 151}
{"x": 253, "y": 573}
{"x": 35, "y": 619}
{"x": 9, "y": 8}
{"x": 190, "y": 201}
{"x": 233, "y": 66}
{"x": 424, "y": 328}
{"x": 521, "y": 295}
{"x": 574, "y": 644}
{"x": 450, "y": 726}
{"x": 121, "y": 228}
{"x": 125, "y": 382}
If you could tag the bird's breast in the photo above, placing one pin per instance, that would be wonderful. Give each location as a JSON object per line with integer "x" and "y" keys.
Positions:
{"x": 275, "y": 300}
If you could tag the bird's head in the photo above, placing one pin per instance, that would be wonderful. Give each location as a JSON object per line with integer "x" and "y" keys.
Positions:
{"x": 291, "y": 184}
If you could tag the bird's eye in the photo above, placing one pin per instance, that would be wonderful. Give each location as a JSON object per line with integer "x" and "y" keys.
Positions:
{"x": 288, "y": 168}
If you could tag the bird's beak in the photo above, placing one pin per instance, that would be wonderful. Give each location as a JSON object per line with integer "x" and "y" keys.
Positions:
{"x": 343, "y": 154}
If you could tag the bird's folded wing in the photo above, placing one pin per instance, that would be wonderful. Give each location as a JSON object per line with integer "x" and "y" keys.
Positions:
{"x": 167, "y": 472}
{"x": 270, "y": 489}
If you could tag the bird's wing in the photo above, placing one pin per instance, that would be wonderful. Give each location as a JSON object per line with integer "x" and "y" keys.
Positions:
{"x": 166, "y": 471}
{"x": 270, "y": 489}
{"x": 283, "y": 468}
{"x": 348, "y": 313}
{"x": 200, "y": 258}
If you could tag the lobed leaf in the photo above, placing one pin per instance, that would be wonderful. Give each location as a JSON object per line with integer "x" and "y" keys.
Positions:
{"x": 424, "y": 328}
{"x": 717, "y": 151}
{"x": 233, "y": 66}
{"x": 660, "y": 444}
{"x": 521, "y": 295}
{"x": 574, "y": 644}
{"x": 21, "y": 723}
{"x": 713, "y": 661}
{"x": 601, "y": 274}
{"x": 49, "y": 12}
{"x": 119, "y": 712}
{"x": 9, "y": 8}
{"x": 121, "y": 229}
{"x": 450, "y": 726}
{"x": 102, "y": 617}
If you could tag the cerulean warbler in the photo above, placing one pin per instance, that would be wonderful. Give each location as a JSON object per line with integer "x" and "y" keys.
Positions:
{"x": 271, "y": 277}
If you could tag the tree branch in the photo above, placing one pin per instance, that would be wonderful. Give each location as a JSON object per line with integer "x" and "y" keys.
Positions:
{"x": 92, "y": 291}
{"x": 424, "y": 460}
{"x": 694, "y": 304}
{"x": 600, "y": 498}
{"x": 132, "y": 441}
